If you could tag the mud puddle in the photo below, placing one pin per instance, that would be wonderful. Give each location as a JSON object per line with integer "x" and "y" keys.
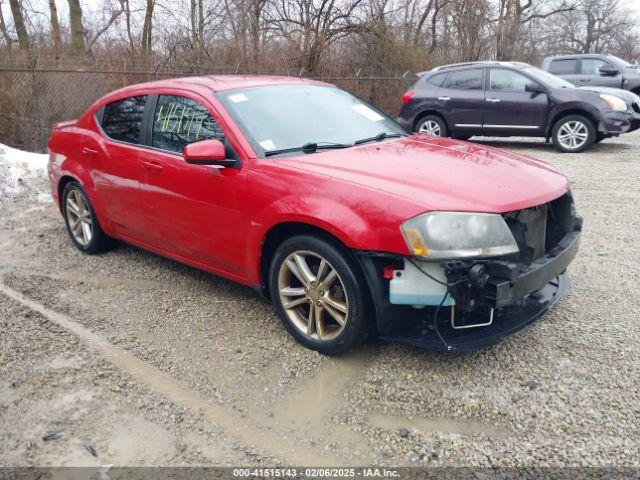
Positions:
{"x": 228, "y": 421}
{"x": 430, "y": 425}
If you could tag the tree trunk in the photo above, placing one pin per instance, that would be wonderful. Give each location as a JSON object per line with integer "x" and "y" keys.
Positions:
{"x": 147, "y": 27}
{"x": 55, "y": 25}
{"x": 77, "y": 28}
{"x": 18, "y": 22}
{"x": 5, "y": 33}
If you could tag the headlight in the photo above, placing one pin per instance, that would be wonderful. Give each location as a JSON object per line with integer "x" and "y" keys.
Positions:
{"x": 615, "y": 103}
{"x": 439, "y": 235}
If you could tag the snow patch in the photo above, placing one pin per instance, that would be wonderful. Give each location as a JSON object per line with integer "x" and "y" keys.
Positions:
{"x": 22, "y": 171}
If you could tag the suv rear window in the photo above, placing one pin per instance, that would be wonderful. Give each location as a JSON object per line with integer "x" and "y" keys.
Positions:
{"x": 563, "y": 67}
{"x": 121, "y": 120}
{"x": 465, "y": 79}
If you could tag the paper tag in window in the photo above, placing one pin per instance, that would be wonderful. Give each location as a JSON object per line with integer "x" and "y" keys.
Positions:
{"x": 238, "y": 97}
{"x": 367, "y": 112}
{"x": 267, "y": 145}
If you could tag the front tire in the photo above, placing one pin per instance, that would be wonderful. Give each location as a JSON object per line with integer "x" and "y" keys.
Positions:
{"x": 573, "y": 134}
{"x": 432, "y": 125}
{"x": 319, "y": 294}
{"x": 82, "y": 223}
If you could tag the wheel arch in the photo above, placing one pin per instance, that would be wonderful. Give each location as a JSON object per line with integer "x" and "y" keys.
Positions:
{"x": 62, "y": 183}
{"x": 278, "y": 233}
{"x": 426, "y": 113}
{"x": 571, "y": 111}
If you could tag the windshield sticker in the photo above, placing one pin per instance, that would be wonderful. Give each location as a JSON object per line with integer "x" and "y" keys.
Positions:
{"x": 267, "y": 145}
{"x": 238, "y": 97}
{"x": 367, "y": 112}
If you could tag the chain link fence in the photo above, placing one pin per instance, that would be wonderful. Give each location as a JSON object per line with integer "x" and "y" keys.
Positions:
{"x": 33, "y": 99}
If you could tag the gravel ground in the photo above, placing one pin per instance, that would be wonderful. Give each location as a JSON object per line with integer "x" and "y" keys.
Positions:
{"x": 155, "y": 363}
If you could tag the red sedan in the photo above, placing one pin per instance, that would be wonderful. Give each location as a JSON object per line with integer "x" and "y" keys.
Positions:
{"x": 351, "y": 226}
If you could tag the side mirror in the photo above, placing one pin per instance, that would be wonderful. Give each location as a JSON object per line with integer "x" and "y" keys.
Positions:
{"x": 534, "y": 88}
{"x": 207, "y": 152}
{"x": 608, "y": 71}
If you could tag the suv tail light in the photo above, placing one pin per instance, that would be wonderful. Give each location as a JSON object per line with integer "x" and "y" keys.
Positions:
{"x": 407, "y": 96}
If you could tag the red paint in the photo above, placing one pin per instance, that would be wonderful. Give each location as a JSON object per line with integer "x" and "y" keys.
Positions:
{"x": 217, "y": 218}
{"x": 204, "y": 151}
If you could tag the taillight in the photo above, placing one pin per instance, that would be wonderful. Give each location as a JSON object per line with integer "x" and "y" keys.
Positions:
{"x": 407, "y": 96}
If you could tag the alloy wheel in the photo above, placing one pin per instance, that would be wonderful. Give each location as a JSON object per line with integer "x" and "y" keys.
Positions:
{"x": 573, "y": 134}
{"x": 313, "y": 295}
{"x": 79, "y": 217}
{"x": 430, "y": 127}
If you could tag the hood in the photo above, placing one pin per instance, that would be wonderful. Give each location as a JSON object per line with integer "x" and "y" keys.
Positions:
{"x": 626, "y": 95}
{"x": 441, "y": 173}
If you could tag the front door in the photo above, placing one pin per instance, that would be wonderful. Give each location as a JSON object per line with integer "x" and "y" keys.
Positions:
{"x": 190, "y": 209}
{"x": 590, "y": 74}
{"x": 461, "y": 97}
{"x": 509, "y": 108}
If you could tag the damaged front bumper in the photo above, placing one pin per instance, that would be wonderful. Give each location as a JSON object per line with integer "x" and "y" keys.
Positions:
{"x": 507, "y": 298}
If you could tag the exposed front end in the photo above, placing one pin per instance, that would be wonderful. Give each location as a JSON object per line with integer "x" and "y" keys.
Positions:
{"x": 476, "y": 298}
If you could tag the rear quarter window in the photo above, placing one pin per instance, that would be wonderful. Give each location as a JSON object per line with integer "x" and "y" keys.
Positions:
{"x": 122, "y": 119}
{"x": 437, "y": 80}
{"x": 470, "y": 79}
{"x": 563, "y": 67}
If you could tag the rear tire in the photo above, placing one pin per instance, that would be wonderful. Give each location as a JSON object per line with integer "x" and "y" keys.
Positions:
{"x": 320, "y": 295}
{"x": 432, "y": 125}
{"x": 573, "y": 134}
{"x": 82, "y": 223}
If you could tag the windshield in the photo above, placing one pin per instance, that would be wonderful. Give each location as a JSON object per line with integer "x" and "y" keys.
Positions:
{"x": 283, "y": 117}
{"x": 620, "y": 62}
{"x": 547, "y": 78}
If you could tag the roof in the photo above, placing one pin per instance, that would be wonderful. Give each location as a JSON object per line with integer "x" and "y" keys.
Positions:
{"x": 481, "y": 63}
{"x": 219, "y": 83}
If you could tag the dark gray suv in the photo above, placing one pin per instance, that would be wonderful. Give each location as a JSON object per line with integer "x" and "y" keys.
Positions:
{"x": 509, "y": 99}
{"x": 594, "y": 70}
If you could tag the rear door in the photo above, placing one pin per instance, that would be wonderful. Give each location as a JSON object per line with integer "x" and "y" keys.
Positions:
{"x": 566, "y": 68}
{"x": 461, "y": 98}
{"x": 116, "y": 163}
{"x": 590, "y": 73}
{"x": 190, "y": 209}
{"x": 510, "y": 109}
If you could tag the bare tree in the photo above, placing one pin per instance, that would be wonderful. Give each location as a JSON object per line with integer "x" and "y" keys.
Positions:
{"x": 55, "y": 25}
{"x": 77, "y": 27}
{"x": 312, "y": 26}
{"x": 18, "y": 23}
{"x": 8, "y": 41}
{"x": 147, "y": 26}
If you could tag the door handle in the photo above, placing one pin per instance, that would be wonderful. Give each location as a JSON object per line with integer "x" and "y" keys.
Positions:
{"x": 584, "y": 80}
{"x": 89, "y": 151}
{"x": 493, "y": 100}
{"x": 444, "y": 99}
{"x": 153, "y": 166}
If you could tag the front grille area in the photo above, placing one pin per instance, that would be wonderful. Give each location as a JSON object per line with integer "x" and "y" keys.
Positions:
{"x": 538, "y": 229}
{"x": 636, "y": 107}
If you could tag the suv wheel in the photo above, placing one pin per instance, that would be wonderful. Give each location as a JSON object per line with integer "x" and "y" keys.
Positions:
{"x": 432, "y": 125}
{"x": 82, "y": 224}
{"x": 319, "y": 295}
{"x": 573, "y": 134}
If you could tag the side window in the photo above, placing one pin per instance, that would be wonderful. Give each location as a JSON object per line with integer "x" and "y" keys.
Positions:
{"x": 591, "y": 66}
{"x": 563, "y": 67}
{"x": 465, "y": 79}
{"x": 179, "y": 121}
{"x": 121, "y": 120}
{"x": 501, "y": 80}
{"x": 437, "y": 80}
